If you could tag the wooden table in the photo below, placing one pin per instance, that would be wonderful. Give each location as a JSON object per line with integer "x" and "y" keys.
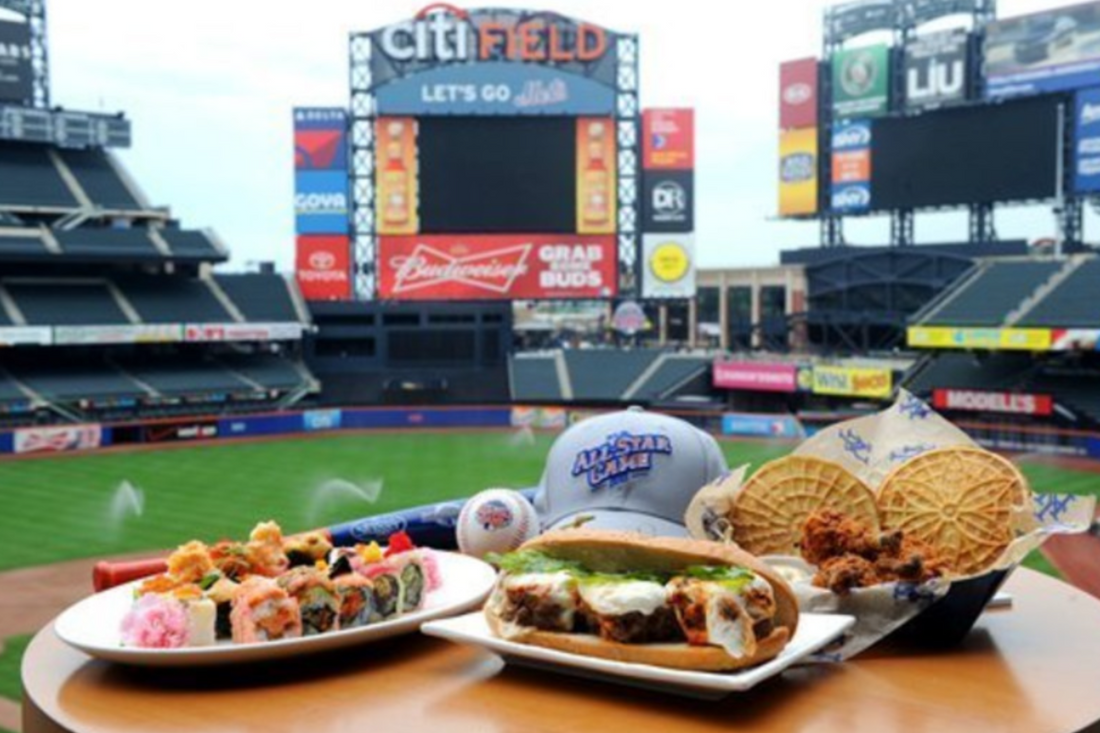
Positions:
{"x": 1033, "y": 668}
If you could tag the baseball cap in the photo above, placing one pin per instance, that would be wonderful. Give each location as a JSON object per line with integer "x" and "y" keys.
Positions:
{"x": 628, "y": 470}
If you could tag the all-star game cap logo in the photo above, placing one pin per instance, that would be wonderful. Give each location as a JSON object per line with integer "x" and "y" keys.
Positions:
{"x": 619, "y": 458}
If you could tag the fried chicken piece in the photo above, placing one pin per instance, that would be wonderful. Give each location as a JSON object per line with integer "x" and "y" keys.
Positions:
{"x": 829, "y": 533}
{"x": 849, "y": 555}
{"x": 841, "y": 574}
{"x": 912, "y": 562}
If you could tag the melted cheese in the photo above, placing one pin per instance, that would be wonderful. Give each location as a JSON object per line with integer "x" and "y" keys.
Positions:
{"x": 558, "y": 587}
{"x": 619, "y": 598}
{"x": 732, "y": 634}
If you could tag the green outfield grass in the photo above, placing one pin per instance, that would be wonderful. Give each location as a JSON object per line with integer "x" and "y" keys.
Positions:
{"x": 69, "y": 507}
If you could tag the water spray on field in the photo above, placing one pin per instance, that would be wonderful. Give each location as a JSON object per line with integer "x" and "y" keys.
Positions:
{"x": 337, "y": 492}
{"x": 127, "y": 502}
{"x": 522, "y": 436}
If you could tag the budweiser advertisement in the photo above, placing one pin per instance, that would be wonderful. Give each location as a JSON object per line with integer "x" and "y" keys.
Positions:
{"x": 756, "y": 377}
{"x": 798, "y": 94}
{"x": 496, "y": 267}
{"x": 973, "y": 400}
{"x": 323, "y": 267}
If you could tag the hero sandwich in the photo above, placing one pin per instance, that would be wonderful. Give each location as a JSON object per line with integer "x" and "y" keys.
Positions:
{"x": 668, "y": 602}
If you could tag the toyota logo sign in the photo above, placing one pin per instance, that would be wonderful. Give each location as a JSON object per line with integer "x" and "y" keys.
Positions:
{"x": 322, "y": 260}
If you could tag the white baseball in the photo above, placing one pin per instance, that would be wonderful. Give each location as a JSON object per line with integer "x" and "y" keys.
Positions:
{"x": 495, "y": 520}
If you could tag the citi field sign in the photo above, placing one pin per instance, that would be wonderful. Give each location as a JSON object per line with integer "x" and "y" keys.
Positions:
{"x": 446, "y": 60}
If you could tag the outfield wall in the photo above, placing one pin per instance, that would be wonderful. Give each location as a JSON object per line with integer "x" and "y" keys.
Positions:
{"x": 69, "y": 438}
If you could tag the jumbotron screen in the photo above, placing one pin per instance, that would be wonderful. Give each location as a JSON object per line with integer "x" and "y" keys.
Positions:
{"x": 488, "y": 175}
{"x": 1005, "y": 152}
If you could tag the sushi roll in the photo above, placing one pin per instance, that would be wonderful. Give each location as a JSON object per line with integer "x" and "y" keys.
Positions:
{"x": 306, "y": 549}
{"x": 264, "y": 550}
{"x": 356, "y": 595}
{"x": 414, "y": 579}
{"x": 230, "y": 559}
{"x": 155, "y": 621}
{"x": 385, "y": 579}
{"x": 202, "y": 617}
{"x": 221, "y": 594}
{"x": 262, "y": 611}
{"x": 316, "y": 597}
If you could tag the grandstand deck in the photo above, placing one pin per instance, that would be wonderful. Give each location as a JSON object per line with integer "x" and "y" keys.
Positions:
{"x": 29, "y": 179}
{"x": 173, "y": 300}
{"x": 100, "y": 181}
{"x": 259, "y": 297}
{"x": 53, "y": 303}
{"x": 535, "y": 379}
{"x": 1073, "y": 304}
{"x": 988, "y": 298}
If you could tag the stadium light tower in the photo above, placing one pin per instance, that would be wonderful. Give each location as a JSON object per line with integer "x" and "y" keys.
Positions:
{"x": 35, "y": 13}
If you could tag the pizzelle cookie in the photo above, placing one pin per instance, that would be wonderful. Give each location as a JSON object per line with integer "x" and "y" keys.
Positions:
{"x": 962, "y": 501}
{"x": 769, "y": 511}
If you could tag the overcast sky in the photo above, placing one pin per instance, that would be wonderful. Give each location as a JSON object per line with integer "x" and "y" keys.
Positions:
{"x": 209, "y": 86}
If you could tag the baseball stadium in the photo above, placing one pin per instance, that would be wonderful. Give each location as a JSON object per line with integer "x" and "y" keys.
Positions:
{"x": 495, "y": 284}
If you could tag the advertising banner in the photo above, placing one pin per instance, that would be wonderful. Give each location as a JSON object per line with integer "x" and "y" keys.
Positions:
{"x": 175, "y": 432}
{"x": 396, "y": 172}
{"x": 972, "y": 400}
{"x": 240, "y": 427}
{"x": 1075, "y": 339}
{"x": 1011, "y": 339}
{"x": 217, "y": 332}
{"x": 853, "y": 381}
{"x": 596, "y": 175}
{"x": 57, "y": 439}
{"x": 668, "y": 266}
{"x": 936, "y": 69}
{"x": 321, "y": 202}
{"x": 314, "y": 420}
{"x": 495, "y": 88}
{"x": 1049, "y": 51}
{"x": 497, "y": 267}
{"x": 149, "y": 333}
{"x": 442, "y": 38}
{"x": 540, "y": 418}
{"x": 851, "y": 167}
{"x": 1086, "y": 141}
{"x": 760, "y": 426}
{"x": 16, "y": 72}
{"x": 320, "y": 138}
{"x": 755, "y": 376}
{"x": 323, "y": 267}
{"x": 798, "y": 94}
{"x": 25, "y": 336}
{"x": 668, "y": 139}
{"x": 861, "y": 81}
{"x": 668, "y": 201}
{"x": 798, "y": 172}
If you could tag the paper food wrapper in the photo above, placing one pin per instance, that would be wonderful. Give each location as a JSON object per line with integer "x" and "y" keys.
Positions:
{"x": 870, "y": 447}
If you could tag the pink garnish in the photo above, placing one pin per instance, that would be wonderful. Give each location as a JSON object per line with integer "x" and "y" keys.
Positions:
{"x": 155, "y": 622}
{"x": 433, "y": 575}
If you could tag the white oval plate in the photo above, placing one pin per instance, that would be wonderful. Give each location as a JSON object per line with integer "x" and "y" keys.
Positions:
{"x": 93, "y": 624}
{"x": 815, "y": 630}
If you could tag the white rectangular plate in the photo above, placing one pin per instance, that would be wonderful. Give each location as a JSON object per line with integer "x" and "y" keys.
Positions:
{"x": 93, "y": 624}
{"x": 814, "y": 632}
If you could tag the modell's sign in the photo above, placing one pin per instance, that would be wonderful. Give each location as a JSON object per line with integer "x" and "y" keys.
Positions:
{"x": 496, "y": 267}
{"x": 447, "y": 60}
{"x": 1013, "y": 403}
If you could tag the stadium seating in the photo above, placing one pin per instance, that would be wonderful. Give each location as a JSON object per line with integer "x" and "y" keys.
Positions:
{"x": 22, "y": 246}
{"x": 186, "y": 244}
{"x": 55, "y": 303}
{"x": 996, "y": 371}
{"x": 672, "y": 371}
{"x": 605, "y": 374}
{"x": 29, "y": 178}
{"x": 173, "y": 300}
{"x": 987, "y": 299}
{"x": 267, "y": 371}
{"x": 108, "y": 243}
{"x": 1074, "y": 303}
{"x": 259, "y": 297}
{"x": 188, "y": 376}
{"x": 74, "y": 382}
{"x": 100, "y": 181}
{"x": 535, "y": 378}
